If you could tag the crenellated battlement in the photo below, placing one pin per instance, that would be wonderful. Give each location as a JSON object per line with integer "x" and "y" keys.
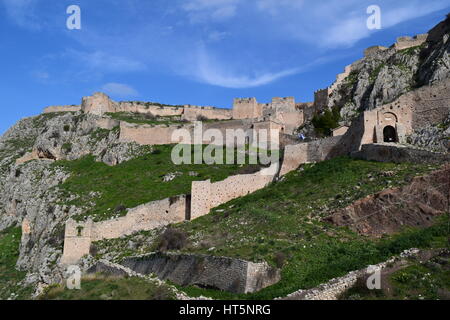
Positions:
{"x": 409, "y": 42}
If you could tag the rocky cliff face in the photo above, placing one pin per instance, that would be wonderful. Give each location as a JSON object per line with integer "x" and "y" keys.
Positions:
{"x": 383, "y": 76}
{"x": 29, "y": 194}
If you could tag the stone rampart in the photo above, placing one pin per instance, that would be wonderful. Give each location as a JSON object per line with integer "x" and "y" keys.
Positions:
{"x": 207, "y": 195}
{"x": 309, "y": 152}
{"x": 408, "y": 42}
{"x": 70, "y": 108}
{"x": 222, "y": 273}
{"x": 79, "y": 235}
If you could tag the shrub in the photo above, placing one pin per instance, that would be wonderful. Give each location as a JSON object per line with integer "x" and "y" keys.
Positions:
{"x": 202, "y": 118}
{"x": 67, "y": 147}
{"x": 66, "y": 128}
{"x": 120, "y": 208}
{"x": 327, "y": 121}
{"x": 149, "y": 116}
{"x": 280, "y": 259}
{"x": 172, "y": 239}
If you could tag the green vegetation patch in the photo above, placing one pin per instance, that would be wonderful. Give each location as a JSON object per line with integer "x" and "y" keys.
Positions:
{"x": 110, "y": 190}
{"x": 416, "y": 281}
{"x": 327, "y": 121}
{"x": 100, "y": 287}
{"x": 141, "y": 118}
{"x": 285, "y": 219}
{"x": 9, "y": 276}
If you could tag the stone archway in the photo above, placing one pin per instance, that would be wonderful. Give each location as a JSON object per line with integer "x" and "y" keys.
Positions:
{"x": 389, "y": 134}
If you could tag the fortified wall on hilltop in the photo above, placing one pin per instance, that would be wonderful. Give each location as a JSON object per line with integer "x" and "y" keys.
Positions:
{"x": 322, "y": 96}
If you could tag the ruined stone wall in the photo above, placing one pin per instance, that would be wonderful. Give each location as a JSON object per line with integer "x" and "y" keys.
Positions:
{"x": 222, "y": 273}
{"x": 309, "y": 152}
{"x": 247, "y": 108}
{"x": 98, "y": 104}
{"x": 145, "y": 217}
{"x": 308, "y": 110}
{"x": 149, "y": 135}
{"x": 79, "y": 236}
{"x": 408, "y": 42}
{"x": 193, "y": 113}
{"x": 373, "y": 50}
{"x": 428, "y": 105}
{"x": 341, "y": 77}
{"x": 385, "y": 152}
{"x": 340, "y": 131}
{"x": 158, "y": 111}
{"x": 77, "y": 241}
{"x": 207, "y": 195}
{"x": 67, "y": 108}
{"x": 321, "y": 98}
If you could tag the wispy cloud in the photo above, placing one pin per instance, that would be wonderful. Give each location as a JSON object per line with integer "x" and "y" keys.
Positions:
{"x": 119, "y": 90}
{"x": 22, "y": 12}
{"x": 106, "y": 62}
{"x": 214, "y": 72}
{"x": 210, "y": 10}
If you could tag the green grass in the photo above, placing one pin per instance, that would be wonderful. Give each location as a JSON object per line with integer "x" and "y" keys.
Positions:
{"x": 133, "y": 182}
{"x": 287, "y": 217}
{"x": 140, "y": 118}
{"x": 9, "y": 276}
{"x": 415, "y": 281}
{"x": 109, "y": 288}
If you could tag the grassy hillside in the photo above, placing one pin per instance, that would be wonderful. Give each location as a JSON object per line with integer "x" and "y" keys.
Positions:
{"x": 282, "y": 224}
{"x": 110, "y": 190}
{"x": 417, "y": 280}
{"x": 9, "y": 276}
{"x": 109, "y": 288}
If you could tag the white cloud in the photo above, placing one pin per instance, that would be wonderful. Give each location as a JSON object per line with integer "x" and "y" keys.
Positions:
{"x": 277, "y": 6}
{"x": 119, "y": 90}
{"x": 22, "y": 12}
{"x": 210, "y": 10}
{"x": 213, "y": 72}
{"x": 215, "y": 36}
{"x": 105, "y": 62}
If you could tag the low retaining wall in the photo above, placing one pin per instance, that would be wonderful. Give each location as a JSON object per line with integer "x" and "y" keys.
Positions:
{"x": 336, "y": 287}
{"x": 227, "y": 274}
{"x": 384, "y": 152}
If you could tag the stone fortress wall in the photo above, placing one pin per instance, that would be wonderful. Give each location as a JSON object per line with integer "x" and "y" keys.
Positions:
{"x": 418, "y": 108}
{"x": 68, "y": 108}
{"x": 204, "y": 194}
{"x": 409, "y": 42}
{"x": 207, "y": 195}
{"x": 427, "y": 105}
{"x": 226, "y": 274}
{"x": 79, "y": 235}
{"x": 321, "y": 97}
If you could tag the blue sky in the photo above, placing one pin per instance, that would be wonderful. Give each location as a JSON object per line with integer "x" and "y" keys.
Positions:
{"x": 201, "y": 52}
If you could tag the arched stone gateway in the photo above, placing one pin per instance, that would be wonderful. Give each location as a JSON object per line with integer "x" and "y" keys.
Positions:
{"x": 390, "y": 134}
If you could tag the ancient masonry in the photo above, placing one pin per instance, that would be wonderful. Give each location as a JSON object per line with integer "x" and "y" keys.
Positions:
{"x": 321, "y": 97}
{"x": 227, "y": 274}
{"x": 386, "y": 124}
{"x": 389, "y": 123}
{"x": 205, "y": 195}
